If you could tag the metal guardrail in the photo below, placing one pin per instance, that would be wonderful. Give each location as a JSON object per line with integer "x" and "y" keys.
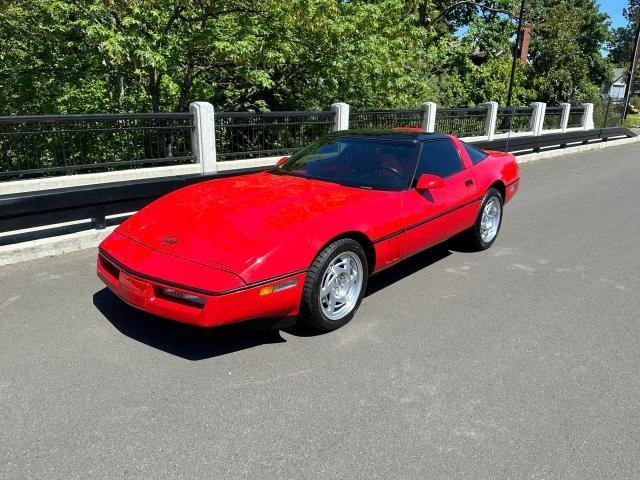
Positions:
{"x": 560, "y": 140}
{"x": 267, "y": 134}
{"x": 94, "y": 202}
{"x": 36, "y": 209}
{"x": 64, "y": 144}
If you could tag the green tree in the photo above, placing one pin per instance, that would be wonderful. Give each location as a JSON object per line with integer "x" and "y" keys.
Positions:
{"x": 73, "y": 56}
{"x": 621, "y": 43}
{"x": 565, "y": 54}
{"x": 492, "y": 33}
{"x": 370, "y": 54}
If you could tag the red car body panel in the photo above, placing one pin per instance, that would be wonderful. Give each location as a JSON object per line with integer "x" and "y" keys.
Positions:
{"x": 253, "y": 224}
{"x": 448, "y": 210}
{"x": 143, "y": 292}
{"x": 226, "y": 239}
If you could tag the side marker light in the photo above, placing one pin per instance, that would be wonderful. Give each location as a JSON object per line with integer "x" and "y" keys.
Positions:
{"x": 278, "y": 287}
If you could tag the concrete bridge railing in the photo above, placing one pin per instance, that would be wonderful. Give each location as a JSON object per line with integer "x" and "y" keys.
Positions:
{"x": 57, "y": 151}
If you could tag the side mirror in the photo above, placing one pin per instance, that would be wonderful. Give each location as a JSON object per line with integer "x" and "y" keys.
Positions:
{"x": 281, "y": 161}
{"x": 429, "y": 182}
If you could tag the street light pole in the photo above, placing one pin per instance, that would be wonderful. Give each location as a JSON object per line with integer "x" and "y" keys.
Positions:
{"x": 515, "y": 54}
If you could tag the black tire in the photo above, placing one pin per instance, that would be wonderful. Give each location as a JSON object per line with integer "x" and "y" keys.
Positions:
{"x": 311, "y": 313}
{"x": 472, "y": 237}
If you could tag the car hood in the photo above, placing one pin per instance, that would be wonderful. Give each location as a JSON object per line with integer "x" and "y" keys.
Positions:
{"x": 234, "y": 222}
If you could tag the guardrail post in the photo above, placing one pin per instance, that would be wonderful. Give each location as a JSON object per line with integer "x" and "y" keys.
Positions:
{"x": 564, "y": 118}
{"x": 203, "y": 138}
{"x": 429, "y": 117}
{"x": 490, "y": 119}
{"x": 537, "y": 117}
{"x": 587, "y": 117}
{"x": 341, "y": 116}
{"x": 98, "y": 219}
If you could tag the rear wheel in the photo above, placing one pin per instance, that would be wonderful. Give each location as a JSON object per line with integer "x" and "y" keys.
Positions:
{"x": 335, "y": 285}
{"x": 485, "y": 230}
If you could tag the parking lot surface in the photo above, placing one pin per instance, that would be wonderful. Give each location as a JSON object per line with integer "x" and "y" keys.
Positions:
{"x": 519, "y": 362}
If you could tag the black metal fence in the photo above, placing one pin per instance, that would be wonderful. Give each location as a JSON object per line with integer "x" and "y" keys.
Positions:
{"x": 575, "y": 116}
{"x": 243, "y": 135}
{"x": 65, "y": 144}
{"x": 552, "y": 118}
{"x": 607, "y": 113}
{"x": 514, "y": 119}
{"x": 461, "y": 122}
{"x": 386, "y": 119}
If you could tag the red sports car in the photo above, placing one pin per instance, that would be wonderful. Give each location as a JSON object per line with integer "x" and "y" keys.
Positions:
{"x": 301, "y": 239}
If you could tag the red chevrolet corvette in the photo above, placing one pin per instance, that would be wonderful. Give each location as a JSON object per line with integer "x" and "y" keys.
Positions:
{"x": 301, "y": 239}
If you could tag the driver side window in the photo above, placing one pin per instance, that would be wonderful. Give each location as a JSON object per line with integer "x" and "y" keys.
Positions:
{"x": 438, "y": 157}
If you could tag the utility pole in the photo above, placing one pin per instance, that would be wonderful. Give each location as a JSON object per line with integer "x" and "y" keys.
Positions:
{"x": 515, "y": 54}
{"x": 505, "y": 124}
{"x": 632, "y": 71}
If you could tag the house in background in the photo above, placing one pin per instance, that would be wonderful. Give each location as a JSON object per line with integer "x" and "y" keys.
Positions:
{"x": 616, "y": 88}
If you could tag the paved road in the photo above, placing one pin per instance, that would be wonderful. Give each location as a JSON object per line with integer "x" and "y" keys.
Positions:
{"x": 519, "y": 362}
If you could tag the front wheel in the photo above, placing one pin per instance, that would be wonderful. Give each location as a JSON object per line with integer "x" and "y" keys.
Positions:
{"x": 335, "y": 285}
{"x": 487, "y": 225}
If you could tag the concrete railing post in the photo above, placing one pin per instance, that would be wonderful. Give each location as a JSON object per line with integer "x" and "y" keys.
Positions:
{"x": 203, "y": 138}
{"x": 536, "y": 122}
{"x": 341, "y": 116}
{"x": 429, "y": 117}
{"x": 564, "y": 118}
{"x": 490, "y": 119}
{"x": 587, "y": 117}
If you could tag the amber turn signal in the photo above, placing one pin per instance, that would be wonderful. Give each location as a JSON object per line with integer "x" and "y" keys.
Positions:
{"x": 269, "y": 289}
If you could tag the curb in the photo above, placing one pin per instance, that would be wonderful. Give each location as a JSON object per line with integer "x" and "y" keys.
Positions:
{"x": 53, "y": 246}
{"x": 58, "y": 245}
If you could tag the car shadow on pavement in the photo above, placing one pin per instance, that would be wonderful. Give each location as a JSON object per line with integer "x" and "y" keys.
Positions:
{"x": 195, "y": 343}
{"x": 407, "y": 267}
{"x": 186, "y": 341}
{"x": 388, "y": 277}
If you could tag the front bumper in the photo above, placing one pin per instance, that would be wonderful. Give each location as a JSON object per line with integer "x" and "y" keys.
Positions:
{"x": 244, "y": 303}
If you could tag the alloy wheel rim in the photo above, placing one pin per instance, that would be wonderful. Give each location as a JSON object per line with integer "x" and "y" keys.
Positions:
{"x": 490, "y": 221}
{"x": 341, "y": 285}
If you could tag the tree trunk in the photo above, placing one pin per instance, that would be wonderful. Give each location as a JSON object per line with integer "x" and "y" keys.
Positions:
{"x": 185, "y": 88}
{"x": 154, "y": 90}
{"x": 120, "y": 91}
{"x": 422, "y": 15}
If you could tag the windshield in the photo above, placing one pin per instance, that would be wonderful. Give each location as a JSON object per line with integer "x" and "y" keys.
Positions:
{"x": 361, "y": 162}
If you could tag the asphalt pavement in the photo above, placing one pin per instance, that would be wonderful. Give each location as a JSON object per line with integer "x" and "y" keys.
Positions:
{"x": 521, "y": 362}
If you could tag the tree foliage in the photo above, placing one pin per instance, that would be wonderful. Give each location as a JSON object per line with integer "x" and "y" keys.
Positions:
{"x": 621, "y": 43}
{"x": 73, "y": 56}
{"x": 565, "y": 51}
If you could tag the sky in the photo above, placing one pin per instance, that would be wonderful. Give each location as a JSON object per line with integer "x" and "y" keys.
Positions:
{"x": 614, "y": 9}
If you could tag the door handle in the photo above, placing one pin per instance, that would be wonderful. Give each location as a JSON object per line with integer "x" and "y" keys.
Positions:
{"x": 468, "y": 183}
